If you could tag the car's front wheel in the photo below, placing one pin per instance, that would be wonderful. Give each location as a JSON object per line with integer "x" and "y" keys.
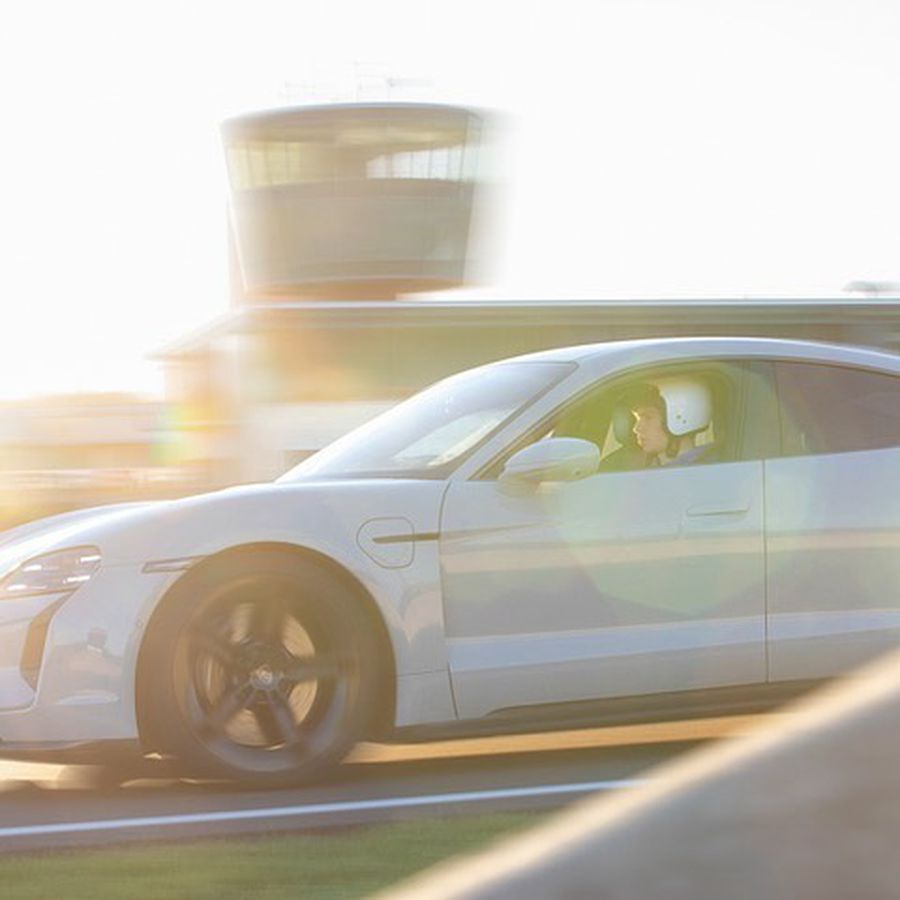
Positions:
{"x": 261, "y": 668}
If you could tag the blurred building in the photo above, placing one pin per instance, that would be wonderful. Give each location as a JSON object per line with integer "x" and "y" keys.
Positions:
{"x": 338, "y": 212}
{"x": 65, "y": 452}
{"x": 348, "y": 206}
{"x": 341, "y": 217}
{"x": 364, "y": 201}
{"x": 290, "y": 377}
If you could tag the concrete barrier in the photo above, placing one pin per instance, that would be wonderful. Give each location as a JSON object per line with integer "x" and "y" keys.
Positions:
{"x": 804, "y": 808}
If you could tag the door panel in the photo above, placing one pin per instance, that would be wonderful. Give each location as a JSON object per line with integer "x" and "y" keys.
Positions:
{"x": 833, "y": 548}
{"x": 620, "y": 584}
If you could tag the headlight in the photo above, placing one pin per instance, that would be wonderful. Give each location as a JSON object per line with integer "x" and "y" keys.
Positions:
{"x": 62, "y": 571}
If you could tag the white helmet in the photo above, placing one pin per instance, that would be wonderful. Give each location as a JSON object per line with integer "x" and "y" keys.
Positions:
{"x": 688, "y": 405}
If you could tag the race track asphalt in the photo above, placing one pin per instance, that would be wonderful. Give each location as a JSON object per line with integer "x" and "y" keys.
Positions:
{"x": 45, "y": 807}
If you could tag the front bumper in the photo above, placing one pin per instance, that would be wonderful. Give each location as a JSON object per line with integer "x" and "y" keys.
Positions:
{"x": 67, "y": 664}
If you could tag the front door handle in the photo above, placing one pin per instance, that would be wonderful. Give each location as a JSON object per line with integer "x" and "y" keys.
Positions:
{"x": 717, "y": 509}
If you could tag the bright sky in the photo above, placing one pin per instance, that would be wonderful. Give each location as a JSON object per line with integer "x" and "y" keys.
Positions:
{"x": 653, "y": 148}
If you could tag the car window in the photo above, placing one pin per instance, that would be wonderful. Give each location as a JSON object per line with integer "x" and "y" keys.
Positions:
{"x": 829, "y": 409}
{"x": 602, "y": 416}
{"x": 428, "y": 434}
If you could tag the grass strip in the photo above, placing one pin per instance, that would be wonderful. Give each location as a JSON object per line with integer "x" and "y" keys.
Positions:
{"x": 350, "y": 863}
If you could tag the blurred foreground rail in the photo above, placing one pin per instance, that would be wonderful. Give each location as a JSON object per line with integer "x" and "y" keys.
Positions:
{"x": 805, "y": 808}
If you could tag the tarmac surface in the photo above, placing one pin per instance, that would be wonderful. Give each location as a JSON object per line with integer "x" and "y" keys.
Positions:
{"x": 46, "y": 807}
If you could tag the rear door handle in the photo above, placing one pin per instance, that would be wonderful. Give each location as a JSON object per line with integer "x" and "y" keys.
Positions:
{"x": 717, "y": 509}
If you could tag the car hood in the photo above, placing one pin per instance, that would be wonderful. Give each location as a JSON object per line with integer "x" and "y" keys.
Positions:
{"x": 50, "y": 523}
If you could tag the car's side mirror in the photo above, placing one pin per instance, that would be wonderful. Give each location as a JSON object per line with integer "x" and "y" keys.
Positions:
{"x": 552, "y": 459}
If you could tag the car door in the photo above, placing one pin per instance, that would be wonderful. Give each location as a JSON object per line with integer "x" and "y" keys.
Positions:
{"x": 620, "y": 584}
{"x": 833, "y": 520}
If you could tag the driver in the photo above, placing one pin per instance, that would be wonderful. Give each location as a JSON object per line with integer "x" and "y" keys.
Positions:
{"x": 668, "y": 416}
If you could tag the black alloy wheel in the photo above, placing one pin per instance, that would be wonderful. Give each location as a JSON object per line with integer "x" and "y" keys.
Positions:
{"x": 270, "y": 672}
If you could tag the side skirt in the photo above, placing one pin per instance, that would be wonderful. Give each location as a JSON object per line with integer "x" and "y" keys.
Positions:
{"x": 728, "y": 701}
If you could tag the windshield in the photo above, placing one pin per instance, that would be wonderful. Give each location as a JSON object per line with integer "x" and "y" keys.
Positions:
{"x": 429, "y": 434}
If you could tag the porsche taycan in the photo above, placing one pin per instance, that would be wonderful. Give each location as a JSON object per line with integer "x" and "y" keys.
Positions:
{"x": 593, "y": 534}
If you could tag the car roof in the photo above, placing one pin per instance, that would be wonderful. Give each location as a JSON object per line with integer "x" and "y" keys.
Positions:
{"x": 650, "y": 350}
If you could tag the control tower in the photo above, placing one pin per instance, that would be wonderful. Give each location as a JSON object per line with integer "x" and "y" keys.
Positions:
{"x": 351, "y": 201}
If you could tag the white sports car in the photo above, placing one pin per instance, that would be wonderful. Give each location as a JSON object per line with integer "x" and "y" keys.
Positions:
{"x": 632, "y": 529}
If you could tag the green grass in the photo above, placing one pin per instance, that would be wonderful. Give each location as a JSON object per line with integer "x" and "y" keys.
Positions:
{"x": 350, "y": 863}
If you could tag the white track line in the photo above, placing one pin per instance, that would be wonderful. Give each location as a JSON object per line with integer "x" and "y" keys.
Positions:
{"x": 315, "y": 809}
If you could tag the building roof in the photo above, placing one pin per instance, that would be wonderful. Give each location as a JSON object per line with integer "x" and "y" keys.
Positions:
{"x": 883, "y": 313}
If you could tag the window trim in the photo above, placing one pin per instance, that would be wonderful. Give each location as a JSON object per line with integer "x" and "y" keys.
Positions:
{"x": 760, "y": 410}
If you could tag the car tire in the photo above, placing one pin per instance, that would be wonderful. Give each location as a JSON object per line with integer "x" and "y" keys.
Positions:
{"x": 262, "y": 669}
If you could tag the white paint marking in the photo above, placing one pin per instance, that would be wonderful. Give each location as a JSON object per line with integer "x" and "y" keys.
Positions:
{"x": 316, "y": 809}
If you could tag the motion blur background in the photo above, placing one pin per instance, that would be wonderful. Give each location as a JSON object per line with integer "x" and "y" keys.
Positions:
{"x": 626, "y": 152}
